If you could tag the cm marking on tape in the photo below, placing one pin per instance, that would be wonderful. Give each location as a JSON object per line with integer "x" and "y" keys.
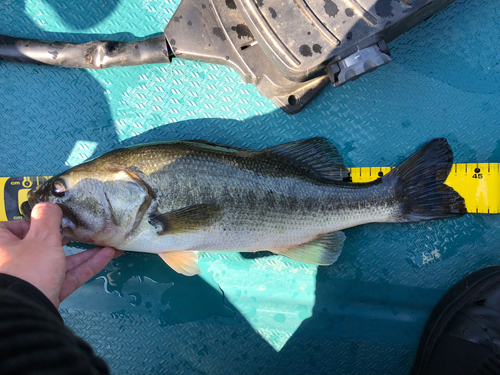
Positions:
{"x": 477, "y": 183}
{"x": 14, "y": 191}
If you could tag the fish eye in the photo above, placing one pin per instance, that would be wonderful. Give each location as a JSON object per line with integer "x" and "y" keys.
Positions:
{"x": 59, "y": 188}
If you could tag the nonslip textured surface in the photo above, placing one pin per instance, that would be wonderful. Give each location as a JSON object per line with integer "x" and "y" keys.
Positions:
{"x": 250, "y": 314}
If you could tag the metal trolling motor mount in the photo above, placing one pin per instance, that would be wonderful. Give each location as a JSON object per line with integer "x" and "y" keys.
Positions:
{"x": 289, "y": 50}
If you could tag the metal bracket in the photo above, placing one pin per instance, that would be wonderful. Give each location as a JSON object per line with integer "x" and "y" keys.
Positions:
{"x": 214, "y": 31}
{"x": 354, "y": 66}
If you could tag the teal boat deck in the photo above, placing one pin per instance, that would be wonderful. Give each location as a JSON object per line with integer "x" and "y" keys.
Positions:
{"x": 260, "y": 314}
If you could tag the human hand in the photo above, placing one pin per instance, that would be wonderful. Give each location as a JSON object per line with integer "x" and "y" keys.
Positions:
{"x": 33, "y": 252}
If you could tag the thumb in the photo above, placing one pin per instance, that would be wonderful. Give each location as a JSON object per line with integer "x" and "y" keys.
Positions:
{"x": 45, "y": 222}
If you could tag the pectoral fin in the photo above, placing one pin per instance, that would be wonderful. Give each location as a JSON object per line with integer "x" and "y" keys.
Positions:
{"x": 186, "y": 219}
{"x": 184, "y": 262}
{"x": 322, "y": 251}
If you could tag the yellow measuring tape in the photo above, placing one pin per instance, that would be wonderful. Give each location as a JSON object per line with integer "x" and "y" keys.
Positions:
{"x": 477, "y": 183}
{"x": 13, "y": 192}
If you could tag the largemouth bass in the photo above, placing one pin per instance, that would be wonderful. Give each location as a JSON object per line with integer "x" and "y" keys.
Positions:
{"x": 178, "y": 198}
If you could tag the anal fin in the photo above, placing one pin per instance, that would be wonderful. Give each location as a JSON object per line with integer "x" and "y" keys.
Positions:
{"x": 184, "y": 262}
{"x": 323, "y": 251}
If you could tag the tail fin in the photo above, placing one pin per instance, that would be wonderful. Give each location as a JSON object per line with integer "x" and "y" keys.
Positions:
{"x": 420, "y": 186}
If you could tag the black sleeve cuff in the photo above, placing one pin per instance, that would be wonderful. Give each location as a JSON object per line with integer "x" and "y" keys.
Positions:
{"x": 23, "y": 288}
{"x": 34, "y": 339}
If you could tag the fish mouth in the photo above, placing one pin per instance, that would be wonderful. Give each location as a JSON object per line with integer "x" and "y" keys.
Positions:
{"x": 27, "y": 206}
{"x": 68, "y": 220}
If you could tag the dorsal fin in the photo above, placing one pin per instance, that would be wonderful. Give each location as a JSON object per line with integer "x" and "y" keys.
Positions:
{"x": 318, "y": 156}
{"x": 215, "y": 146}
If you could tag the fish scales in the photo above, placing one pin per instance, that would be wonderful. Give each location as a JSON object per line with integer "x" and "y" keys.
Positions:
{"x": 267, "y": 204}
